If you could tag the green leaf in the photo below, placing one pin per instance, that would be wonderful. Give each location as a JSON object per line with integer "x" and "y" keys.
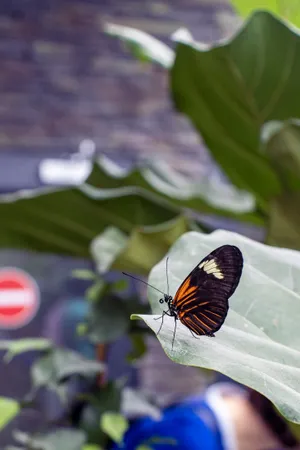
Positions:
{"x": 114, "y": 425}
{"x": 143, "y": 45}
{"x": 231, "y": 89}
{"x": 284, "y": 221}
{"x": 59, "y": 364}
{"x": 62, "y": 439}
{"x": 288, "y": 9}
{"x": 66, "y": 221}
{"x": 106, "y": 247}
{"x": 19, "y": 346}
{"x": 83, "y": 274}
{"x": 280, "y": 143}
{"x": 107, "y": 320}
{"x": 108, "y": 398}
{"x": 259, "y": 344}
{"x": 207, "y": 195}
{"x": 146, "y": 245}
{"x": 139, "y": 347}
{"x": 9, "y": 408}
{"x": 96, "y": 290}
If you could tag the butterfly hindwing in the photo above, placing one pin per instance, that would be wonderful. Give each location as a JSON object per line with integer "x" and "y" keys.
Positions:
{"x": 202, "y": 299}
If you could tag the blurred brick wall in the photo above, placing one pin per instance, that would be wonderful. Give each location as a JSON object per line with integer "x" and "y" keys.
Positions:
{"x": 63, "y": 80}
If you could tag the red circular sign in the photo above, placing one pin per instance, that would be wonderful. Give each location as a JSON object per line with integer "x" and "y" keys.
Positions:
{"x": 19, "y": 298}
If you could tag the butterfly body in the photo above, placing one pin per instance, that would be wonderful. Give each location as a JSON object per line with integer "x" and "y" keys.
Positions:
{"x": 201, "y": 301}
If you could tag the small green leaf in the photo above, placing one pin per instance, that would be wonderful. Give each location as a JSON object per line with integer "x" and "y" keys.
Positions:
{"x": 9, "y": 408}
{"x": 139, "y": 347}
{"x": 19, "y": 346}
{"x": 120, "y": 285}
{"x": 84, "y": 274}
{"x": 93, "y": 293}
{"x": 114, "y": 425}
{"x": 142, "y": 44}
{"x": 81, "y": 329}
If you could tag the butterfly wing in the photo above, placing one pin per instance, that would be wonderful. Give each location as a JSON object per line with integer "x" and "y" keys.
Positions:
{"x": 202, "y": 299}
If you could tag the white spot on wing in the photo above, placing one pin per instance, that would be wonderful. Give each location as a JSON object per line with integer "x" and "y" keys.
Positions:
{"x": 211, "y": 267}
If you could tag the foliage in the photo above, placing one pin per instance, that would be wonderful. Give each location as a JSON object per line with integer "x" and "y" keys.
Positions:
{"x": 117, "y": 215}
{"x": 235, "y": 90}
{"x": 288, "y": 9}
{"x": 242, "y": 96}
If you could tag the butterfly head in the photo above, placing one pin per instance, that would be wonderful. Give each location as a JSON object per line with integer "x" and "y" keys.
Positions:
{"x": 167, "y": 299}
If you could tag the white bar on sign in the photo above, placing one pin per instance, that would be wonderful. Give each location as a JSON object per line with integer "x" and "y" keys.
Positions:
{"x": 16, "y": 297}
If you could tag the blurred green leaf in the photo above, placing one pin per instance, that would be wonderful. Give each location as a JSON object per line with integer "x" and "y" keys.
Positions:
{"x": 281, "y": 144}
{"x": 120, "y": 285}
{"x": 107, "y": 319}
{"x": 207, "y": 195}
{"x": 53, "y": 369}
{"x": 139, "y": 347}
{"x": 231, "y": 89}
{"x": 18, "y": 346}
{"x": 106, "y": 247}
{"x": 9, "y": 408}
{"x": 96, "y": 290}
{"x": 287, "y": 9}
{"x": 114, "y": 425}
{"x": 143, "y": 45}
{"x": 108, "y": 398}
{"x": 284, "y": 222}
{"x": 146, "y": 245}
{"x": 62, "y": 439}
{"x": 83, "y": 274}
{"x": 259, "y": 344}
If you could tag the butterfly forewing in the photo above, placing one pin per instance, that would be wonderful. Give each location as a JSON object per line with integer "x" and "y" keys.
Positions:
{"x": 202, "y": 299}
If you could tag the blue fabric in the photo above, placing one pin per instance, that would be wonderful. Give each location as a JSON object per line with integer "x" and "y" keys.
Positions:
{"x": 185, "y": 427}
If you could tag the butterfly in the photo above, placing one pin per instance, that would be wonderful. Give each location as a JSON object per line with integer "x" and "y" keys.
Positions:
{"x": 201, "y": 301}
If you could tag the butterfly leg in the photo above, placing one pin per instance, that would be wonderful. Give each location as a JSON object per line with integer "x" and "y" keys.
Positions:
{"x": 165, "y": 313}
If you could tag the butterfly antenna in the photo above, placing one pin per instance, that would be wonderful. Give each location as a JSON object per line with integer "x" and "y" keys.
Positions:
{"x": 167, "y": 260}
{"x": 142, "y": 281}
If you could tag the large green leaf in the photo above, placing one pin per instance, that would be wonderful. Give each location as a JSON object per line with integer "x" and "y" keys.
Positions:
{"x": 206, "y": 195}
{"x": 66, "y": 221}
{"x": 288, "y": 9}
{"x": 259, "y": 344}
{"x": 231, "y": 89}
